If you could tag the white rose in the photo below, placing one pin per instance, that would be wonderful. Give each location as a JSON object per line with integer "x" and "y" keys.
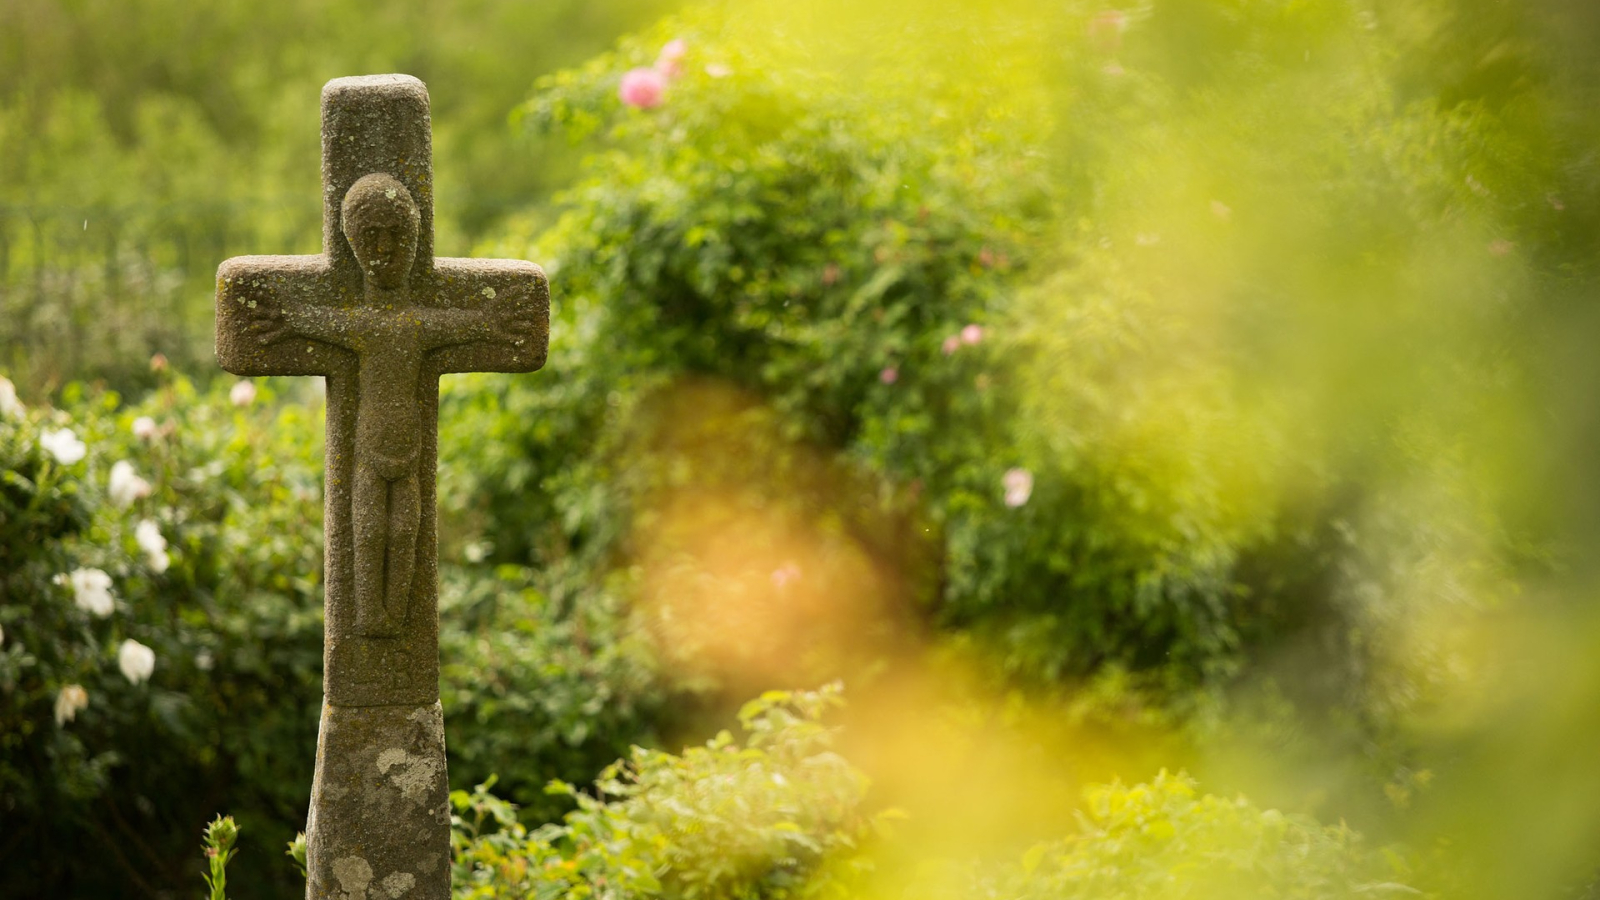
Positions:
{"x": 63, "y": 445}
{"x": 126, "y": 486}
{"x": 148, "y": 535}
{"x": 136, "y": 661}
{"x": 144, "y": 428}
{"x": 71, "y": 699}
{"x": 10, "y": 406}
{"x": 243, "y": 393}
{"x": 1018, "y": 484}
{"x": 91, "y": 590}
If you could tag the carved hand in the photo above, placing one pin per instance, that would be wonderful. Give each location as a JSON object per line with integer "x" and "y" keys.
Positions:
{"x": 514, "y": 322}
{"x": 266, "y": 321}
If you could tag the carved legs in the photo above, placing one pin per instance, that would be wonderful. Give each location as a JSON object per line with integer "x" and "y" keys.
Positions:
{"x": 386, "y": 517}
{"x": 370, "y": 521}
{"x": 405, "y": 515}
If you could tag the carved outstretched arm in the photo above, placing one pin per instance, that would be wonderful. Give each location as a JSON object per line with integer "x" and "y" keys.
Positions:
{"x": 443, "y": 327}
{"x": 334, "y": 325}
{"x": 506, "y": 319}
{"x": 250, "y": 336}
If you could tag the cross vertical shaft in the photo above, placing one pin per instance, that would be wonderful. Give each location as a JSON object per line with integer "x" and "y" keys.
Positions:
{"x": 381, "y": 318}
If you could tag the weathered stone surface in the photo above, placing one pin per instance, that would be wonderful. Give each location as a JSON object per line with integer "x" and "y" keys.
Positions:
{"x": 380, "y": 813}
{"x": 382, "y": 319}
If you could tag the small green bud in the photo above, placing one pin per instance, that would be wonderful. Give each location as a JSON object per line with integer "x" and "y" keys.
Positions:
{"x": 221, "y": 833}
{"x": 297, "y": 852}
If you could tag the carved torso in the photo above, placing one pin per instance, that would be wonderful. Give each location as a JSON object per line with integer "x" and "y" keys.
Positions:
{"x": 387, "y": 376}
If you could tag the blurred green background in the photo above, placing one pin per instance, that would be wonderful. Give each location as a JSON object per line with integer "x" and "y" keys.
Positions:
{"x": 147, "y": 141}
{"x": 1098, "y": 391}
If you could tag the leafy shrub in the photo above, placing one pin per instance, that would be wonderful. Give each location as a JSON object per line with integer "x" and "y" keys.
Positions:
{"x": 223, "y": 711}
{"x": 786, "y": 817}
{"x": 758, "y": 281}
{"x": 788, "y": 295}
{"x": 1164, "y": 839}
{"x": 880, "y": 305}
{"x": 537, "y": 685}
{"x": 779, "y": 817}
{"x": 197, "y": 528}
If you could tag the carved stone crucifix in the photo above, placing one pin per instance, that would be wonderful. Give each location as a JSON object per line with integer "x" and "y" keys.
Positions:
{"x": 382, "y": 319}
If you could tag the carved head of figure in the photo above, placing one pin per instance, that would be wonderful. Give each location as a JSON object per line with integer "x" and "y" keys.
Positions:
{"x": 380, "y": 220}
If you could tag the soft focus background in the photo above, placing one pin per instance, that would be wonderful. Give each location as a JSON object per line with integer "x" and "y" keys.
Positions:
{"x": 1019, "y": 449}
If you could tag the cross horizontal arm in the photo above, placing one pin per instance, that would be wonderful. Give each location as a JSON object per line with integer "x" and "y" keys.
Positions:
{"x": 246, "y": 284}
{"x": 513, "y": 291}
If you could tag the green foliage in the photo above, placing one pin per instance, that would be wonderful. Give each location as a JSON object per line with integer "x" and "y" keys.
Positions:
{"x": 1286, "y": 359}
{"x": 128, "y": 171}
{"x": 784, "y": 817}
{"x": 229, "y": 610}
{"x": 799, "y": 290}
{"x": 757, "y": 283}
{"x": 232, "y": 616}
{"x": 1192, "y": 345}
{"x": 1238, "y": 336}
{"x": 779, "y": 817}
{"x": 1164, "y": 839}
{"x": 537, "y": 685}
{"x": 780, "y": 230}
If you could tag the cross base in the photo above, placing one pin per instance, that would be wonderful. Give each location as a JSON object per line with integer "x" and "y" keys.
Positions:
{"x": 380, "y": 795}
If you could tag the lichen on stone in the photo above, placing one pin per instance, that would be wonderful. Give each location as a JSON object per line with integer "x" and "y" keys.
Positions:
{"x": 353, "y": 874}
{"x": 398, "y": 884}
{"x": 413, "y": 775}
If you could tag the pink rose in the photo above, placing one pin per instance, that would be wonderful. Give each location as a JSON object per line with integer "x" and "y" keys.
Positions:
{"x": 971, "y": 334}
{"x": 951, "y": 344}
{"x": 785, "y": 575}
{"x": 643, "y": 88}
{"x": 889, "y": 375}
{"x": 1106, "y": 28}
{"x": 670, "y": 60}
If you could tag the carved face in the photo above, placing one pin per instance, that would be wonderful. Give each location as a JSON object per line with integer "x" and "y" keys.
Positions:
{"x": 380, "y": 221}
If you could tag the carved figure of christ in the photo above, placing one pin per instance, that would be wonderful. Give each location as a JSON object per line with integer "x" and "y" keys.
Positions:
{"x": 382, "y": 319}
{"x": 390, "y": 332}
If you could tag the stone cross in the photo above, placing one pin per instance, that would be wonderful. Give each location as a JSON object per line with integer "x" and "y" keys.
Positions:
{"x": 381, "y": 318}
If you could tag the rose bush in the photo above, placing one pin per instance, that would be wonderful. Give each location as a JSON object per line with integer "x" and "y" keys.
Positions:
{"x": 161, "y": 640}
